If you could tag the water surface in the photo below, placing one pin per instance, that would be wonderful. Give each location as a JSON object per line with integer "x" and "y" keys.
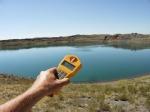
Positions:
{"x": 100, "y": 63}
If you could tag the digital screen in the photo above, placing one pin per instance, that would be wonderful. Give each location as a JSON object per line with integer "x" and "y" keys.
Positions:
{"x": 68, "y": 65}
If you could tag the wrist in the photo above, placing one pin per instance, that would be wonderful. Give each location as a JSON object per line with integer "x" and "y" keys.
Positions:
{"x": 36, "y": 92}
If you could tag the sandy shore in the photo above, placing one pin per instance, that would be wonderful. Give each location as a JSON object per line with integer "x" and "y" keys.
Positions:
{"x": 128, "y": 95}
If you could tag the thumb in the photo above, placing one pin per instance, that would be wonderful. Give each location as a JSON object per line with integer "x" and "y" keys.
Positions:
{"x": 62, "y": 82}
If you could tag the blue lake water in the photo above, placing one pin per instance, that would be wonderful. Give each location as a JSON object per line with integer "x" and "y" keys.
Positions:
{"x": 100, "y": 63}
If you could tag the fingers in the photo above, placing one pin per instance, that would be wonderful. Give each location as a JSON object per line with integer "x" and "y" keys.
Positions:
{"x": 59, "y": 84}
{"x": 53, "y": 72}
{"x": 62, "y": 82}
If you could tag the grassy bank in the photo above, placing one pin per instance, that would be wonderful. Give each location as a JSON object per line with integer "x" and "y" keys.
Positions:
{"x": 132, "y": 95}
{"x": 130, "y": 41}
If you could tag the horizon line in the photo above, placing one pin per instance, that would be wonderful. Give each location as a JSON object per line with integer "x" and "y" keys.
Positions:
{"x": 74, "y": 35}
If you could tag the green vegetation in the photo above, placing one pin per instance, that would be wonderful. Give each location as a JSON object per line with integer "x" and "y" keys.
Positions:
{"x": 129, "y": 41}
{"x": 128, "y": 95}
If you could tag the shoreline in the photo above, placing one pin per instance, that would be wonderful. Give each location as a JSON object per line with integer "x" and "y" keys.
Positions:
{"x": 12, "y": 76}
{"x": 128, "y": 41}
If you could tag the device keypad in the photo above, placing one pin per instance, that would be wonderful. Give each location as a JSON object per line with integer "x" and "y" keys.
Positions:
{"x": 61, "y": 74}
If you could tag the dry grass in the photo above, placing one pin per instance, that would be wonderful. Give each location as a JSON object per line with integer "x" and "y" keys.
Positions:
{"x": 131, "y": 95}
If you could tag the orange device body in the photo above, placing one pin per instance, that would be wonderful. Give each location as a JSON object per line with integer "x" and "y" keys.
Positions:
{"x": 69, "y": 66}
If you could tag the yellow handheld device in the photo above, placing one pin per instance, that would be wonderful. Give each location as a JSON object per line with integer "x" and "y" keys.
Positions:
{"x": 68, "y": 67}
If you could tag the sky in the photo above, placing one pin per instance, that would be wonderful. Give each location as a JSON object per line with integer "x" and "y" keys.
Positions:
{"x": 48, "y": 18}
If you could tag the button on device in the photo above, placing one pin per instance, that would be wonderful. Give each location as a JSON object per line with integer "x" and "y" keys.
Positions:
{"x": 73, "y": 59}
{"x": 61, "y": 74}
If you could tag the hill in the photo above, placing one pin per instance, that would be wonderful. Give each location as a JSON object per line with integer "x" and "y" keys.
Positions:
{"x": 130, "y": 41}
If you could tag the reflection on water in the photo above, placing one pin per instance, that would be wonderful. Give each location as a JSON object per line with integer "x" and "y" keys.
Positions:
{"x": 100, "y": 63}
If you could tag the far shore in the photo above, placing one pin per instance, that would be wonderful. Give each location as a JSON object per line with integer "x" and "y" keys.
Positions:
{"x": 129, "y": 41}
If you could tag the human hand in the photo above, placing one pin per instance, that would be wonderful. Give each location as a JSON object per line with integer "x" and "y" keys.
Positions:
{"x": 48, "y": 83}
{"x": 45, "y": 84}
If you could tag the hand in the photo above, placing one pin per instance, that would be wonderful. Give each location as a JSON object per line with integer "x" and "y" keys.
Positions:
{"x": 48, "y": 83}
{"x": 45, "y": 84}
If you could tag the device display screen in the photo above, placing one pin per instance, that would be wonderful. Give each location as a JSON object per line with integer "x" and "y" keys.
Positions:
{"x": 68, "y": 65}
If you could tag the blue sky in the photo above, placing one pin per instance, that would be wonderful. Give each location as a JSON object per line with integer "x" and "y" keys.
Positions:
{"x": 42, "y": 18}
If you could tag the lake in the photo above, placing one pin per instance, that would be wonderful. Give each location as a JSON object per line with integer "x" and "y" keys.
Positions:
{"x": 100, "y": 63}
